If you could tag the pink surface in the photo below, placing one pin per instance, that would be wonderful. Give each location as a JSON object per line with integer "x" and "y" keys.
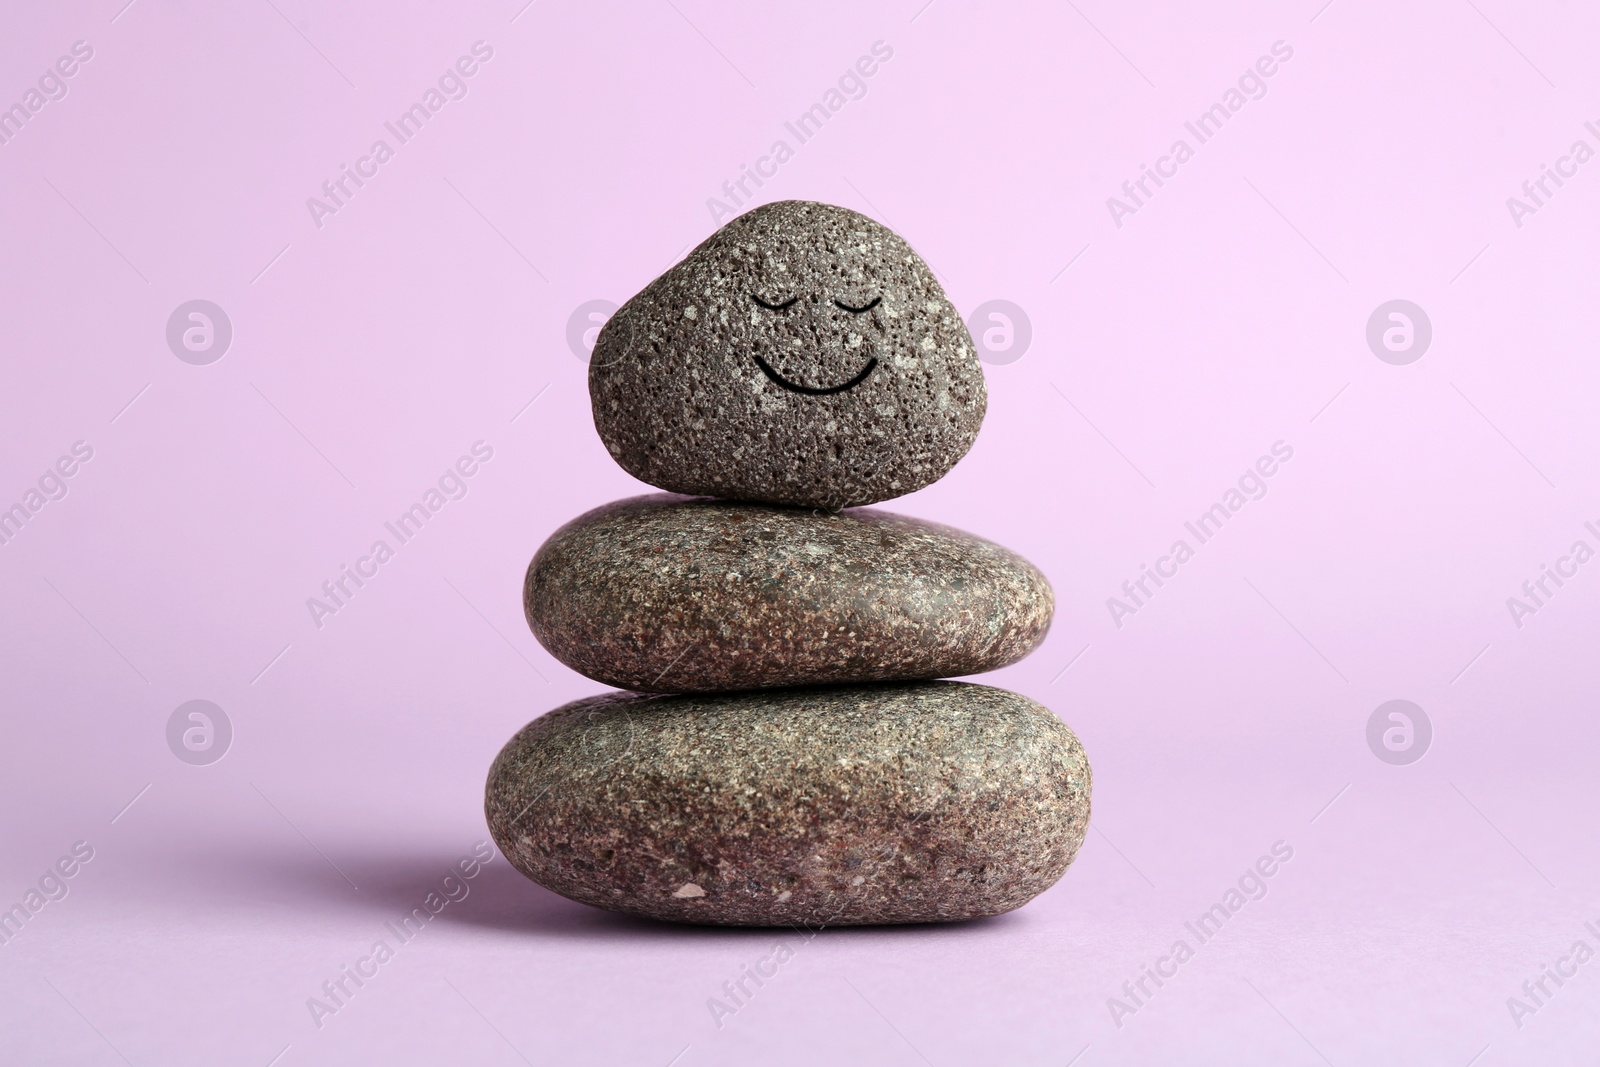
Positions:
{"x": 1172, "y": 345}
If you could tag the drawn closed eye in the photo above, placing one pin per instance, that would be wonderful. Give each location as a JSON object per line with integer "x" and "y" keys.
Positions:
{"x": 774, "y": 307}
{"x": 856, "y": 311}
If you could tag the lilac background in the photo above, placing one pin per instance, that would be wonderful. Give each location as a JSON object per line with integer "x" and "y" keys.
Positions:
{"x": 1225, "y": 315}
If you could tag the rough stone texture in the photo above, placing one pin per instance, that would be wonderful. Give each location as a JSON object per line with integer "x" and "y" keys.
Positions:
{"x": 667, "y": 594}
{"x": 928, "y": 802}
{"x": 683, "y": 402}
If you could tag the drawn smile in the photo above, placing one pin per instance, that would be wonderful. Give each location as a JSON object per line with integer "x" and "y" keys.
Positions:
{"x": 795, "y": 387}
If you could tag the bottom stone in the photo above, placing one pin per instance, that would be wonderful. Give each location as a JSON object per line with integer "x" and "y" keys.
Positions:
{"x": 931, "y": 802}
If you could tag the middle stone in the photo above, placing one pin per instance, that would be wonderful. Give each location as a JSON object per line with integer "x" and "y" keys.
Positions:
{"x": 671, "y": 594}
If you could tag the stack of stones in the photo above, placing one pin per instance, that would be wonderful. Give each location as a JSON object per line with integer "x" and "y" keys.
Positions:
{"x": 782, "y": 752}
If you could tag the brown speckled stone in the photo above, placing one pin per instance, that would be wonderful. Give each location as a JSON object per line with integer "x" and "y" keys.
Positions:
{"x": 929, "y": 802}
{"x": 672, "y": 595}
{"x": 699, "y": 388}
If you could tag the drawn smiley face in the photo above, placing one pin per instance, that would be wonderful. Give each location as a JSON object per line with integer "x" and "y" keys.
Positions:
{"x": 804, "y": 354}
{"x": 866, "y": 370}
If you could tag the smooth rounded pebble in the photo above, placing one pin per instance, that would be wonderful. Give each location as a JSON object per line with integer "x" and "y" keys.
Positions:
{"x": 930, "y": 802}
{"x": 803, "y": 354}
{"x": 674, "y": 595}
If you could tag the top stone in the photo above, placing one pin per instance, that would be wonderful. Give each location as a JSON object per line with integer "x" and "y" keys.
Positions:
{"x": 803, "y": 354}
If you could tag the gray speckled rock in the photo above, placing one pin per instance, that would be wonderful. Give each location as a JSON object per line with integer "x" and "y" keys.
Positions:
{"x": 803, "y": 354}
{"x": 673, "y": 595}
{"x": 930, "y": 802}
